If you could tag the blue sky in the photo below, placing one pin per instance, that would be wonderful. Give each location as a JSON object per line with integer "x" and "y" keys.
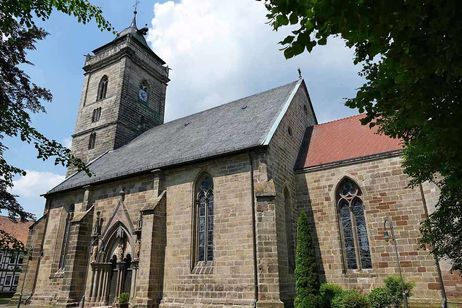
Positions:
{"x": 219, "y": 50}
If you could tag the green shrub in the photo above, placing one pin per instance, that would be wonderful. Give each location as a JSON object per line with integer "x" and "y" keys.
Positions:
{"x": 328, "y": 291}
{"x": 123, "y": 298}
{"x": 380, "y": 298}
{"x": 306, "y": 270}
{"x": 350, "y": 299}
{"x": 309, "y": 301}
{"x": 394, "y": 287}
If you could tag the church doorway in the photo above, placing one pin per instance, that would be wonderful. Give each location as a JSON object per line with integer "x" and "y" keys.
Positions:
{"x": 112, "y": 268}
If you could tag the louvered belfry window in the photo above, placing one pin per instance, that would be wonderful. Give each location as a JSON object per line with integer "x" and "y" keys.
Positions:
{"x": 353, "y": 229}
{"x": 204, "y": 219}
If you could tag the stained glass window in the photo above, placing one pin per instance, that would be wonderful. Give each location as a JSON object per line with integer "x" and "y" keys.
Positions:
{"x": 204, "y": 219}
{"x": 353, "y": 226}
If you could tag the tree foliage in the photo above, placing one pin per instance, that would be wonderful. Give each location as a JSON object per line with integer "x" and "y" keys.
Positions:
{"x": 306, "y": 271}
{"x": 412, "y": 66}
{"x": 19, "y": 96}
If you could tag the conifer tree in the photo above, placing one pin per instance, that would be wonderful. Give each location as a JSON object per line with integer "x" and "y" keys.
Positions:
{"x": 306, "y": 274}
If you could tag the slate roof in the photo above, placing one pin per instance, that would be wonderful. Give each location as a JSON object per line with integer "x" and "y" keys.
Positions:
{"x": 342, "y": 140}
{"x": 242, "y": 124}
{"x": 19, "y": 230}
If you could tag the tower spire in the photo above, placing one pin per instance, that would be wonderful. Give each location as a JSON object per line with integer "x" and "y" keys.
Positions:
{"x": 135, "y": 6}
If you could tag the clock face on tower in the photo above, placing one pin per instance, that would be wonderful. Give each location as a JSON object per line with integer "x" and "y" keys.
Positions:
{"x": 143, "y": 94}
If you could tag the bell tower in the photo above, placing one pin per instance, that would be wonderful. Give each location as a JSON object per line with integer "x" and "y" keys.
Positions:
{"x": 123, "y": 94}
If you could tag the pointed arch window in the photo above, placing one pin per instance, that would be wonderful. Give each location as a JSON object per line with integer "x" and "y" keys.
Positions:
{"x": 143, "y": 92}
{"x": 353, "y": 229}
{"x": 102, "y": 88}
{"x": 204, "y": 219}
{"x": 67, "y": 230}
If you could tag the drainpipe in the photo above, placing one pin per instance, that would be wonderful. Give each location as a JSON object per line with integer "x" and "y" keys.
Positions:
{"x": 444, "y": 299}
{"x": 254, "y": 237}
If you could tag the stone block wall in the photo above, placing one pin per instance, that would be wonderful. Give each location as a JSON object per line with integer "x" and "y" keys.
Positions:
{"x": 229, "y": 280}
{"x": 28, "y": 277}
{"x": 385, "y": 194}
{"x": 282, "y": 156}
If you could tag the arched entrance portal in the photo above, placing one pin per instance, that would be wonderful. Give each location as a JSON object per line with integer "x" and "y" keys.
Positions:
{"x": 113, "y": 267}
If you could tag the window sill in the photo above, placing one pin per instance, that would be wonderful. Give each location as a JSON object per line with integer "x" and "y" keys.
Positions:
{"x": 203, "y": 267}
{"x": 364, "y": 273}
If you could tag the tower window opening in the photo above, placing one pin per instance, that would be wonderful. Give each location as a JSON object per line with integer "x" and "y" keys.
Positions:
{"x": 92, "y": 141}
{"x": 96, "y": 115}
{"x": 102, "y": 88}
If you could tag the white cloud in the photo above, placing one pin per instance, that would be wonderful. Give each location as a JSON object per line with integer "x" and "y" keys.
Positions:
{"x": 220, "y": 50}
{"x": 67, "y": 142}
{"x": 31, "y": 186}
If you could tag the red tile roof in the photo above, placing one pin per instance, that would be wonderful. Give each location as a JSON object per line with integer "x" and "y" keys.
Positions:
{"x": 19, "y": 230}
{"x": 341, "y": 140}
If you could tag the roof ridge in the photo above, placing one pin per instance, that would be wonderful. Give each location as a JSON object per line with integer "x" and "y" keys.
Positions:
{"x": 341, "y": 119}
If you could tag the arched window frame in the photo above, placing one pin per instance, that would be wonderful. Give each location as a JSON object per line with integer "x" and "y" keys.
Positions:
{"x": 67, "y": 230}
{"x": 203, "y": 247}
{"x": 289, "y": 230}
{"x": 349, "y": 202}
{"x": 102, "y": 88}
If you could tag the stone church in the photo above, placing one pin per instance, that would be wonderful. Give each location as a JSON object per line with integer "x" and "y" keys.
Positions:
{"x": 201, "y": 211}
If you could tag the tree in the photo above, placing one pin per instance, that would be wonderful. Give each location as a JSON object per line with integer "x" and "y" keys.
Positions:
{"x": 306, "y": 274}
{"x": 411, "y": 62}
{"x": 19, "y": 96}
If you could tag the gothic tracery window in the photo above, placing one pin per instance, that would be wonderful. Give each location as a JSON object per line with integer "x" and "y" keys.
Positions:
{"x": 67, "y": 229}
{"x": 102, "y": 88}
{"x": 204, "y": 219}
{"x": 356, "y": 251}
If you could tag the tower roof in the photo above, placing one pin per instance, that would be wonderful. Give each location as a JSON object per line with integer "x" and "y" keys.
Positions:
{"x": 133, "y": 30}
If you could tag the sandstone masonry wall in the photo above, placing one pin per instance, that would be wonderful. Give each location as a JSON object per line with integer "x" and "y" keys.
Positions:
{"x": 282, "y": 155}
{"x": 385, "y": 194}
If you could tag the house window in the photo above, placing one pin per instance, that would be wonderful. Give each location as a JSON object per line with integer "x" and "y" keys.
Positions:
{"x": 15, "y": 280}
{"x": 356, "y": 251}
{"x": 8, "y": 280}
{"x": 92, "y": 141}
{"x": 67, "y": 229}
{"x": 289, "y": 231}
{"x": 96, "y": 115}
{"x": 143, "y": 93}
{"x": 102, "y": 88}
{"x": 204, "y": 219}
